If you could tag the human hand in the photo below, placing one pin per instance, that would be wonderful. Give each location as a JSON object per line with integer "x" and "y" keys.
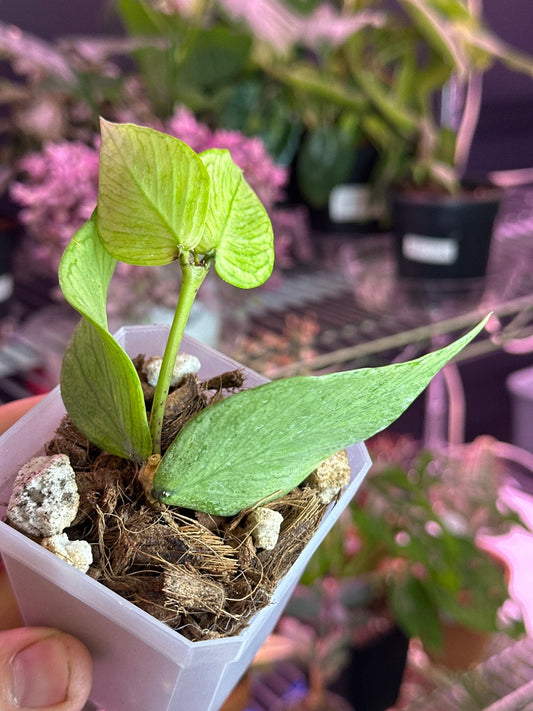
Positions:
{"x": 43, "y": 668}
{"x": 40, "y": 668}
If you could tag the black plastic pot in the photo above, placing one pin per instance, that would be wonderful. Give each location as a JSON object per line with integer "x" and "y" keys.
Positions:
{"x": 444, "y": 236}
{"x": 372, "y": 679}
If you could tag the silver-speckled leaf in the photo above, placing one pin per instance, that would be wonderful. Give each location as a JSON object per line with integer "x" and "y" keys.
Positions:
{"x": 262, "y": 442}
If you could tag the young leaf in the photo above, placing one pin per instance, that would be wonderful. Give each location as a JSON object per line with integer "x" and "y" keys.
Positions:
{"x": 103, "y": 395}
{"x": 85, "y": 271}
{"x": 263, "y": 442}
{"x": 416, "y": 611}
{"x": 152, "y": 187}
{"x": 237, "y": 226}
{"x": 99, "y": 385}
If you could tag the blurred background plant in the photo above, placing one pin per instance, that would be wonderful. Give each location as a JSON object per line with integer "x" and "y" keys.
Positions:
{"x": 406, "y": 555}
{"x": 390, "y": 90}
{"x": 408, "y": 83}
{"x": 50, "y": 141}
{"x": 412, "y": 532}
{"x": 318, "y": 83}
{"x": 298, "y": 90}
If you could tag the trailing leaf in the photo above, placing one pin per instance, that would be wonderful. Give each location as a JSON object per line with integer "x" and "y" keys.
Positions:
{"x": 261, "y": 443}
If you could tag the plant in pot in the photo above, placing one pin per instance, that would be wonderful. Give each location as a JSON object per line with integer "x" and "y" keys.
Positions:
{"x": 442, "y": 223}
{"x": 417, "y": 521}
{"x": 391, "y": 79}
{"x": 172, "y": 515}
{"x": 403, "y": 562}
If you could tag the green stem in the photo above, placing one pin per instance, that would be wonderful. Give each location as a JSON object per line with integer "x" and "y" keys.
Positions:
{"x": 193, "y": 276}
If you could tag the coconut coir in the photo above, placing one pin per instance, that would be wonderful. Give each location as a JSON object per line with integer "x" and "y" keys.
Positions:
{"x": 198, "y": 573}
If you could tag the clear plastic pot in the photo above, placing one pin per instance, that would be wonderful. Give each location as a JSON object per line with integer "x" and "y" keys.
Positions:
{"x": 140, "y": 663}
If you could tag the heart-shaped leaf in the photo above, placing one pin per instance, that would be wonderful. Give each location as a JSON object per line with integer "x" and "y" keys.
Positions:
{"x": 262, "y": 442}
{"x": 152, "y": 197}
{"x": 237, "y": 225}
{"x": 99, "y": 385}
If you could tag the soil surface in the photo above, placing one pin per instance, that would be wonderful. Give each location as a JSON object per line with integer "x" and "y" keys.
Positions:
{"x": 200, "y": 574}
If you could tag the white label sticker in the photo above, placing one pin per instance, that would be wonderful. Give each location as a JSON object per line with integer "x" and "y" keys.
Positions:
{"x": 430, "y": 250}
{"x": 352, "y": 203}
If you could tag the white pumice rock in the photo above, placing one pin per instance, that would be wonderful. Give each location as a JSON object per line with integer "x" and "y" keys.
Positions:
{"x": 77, "y": 553}
{"x": 186, "y": 364}
{"x": 45, "y": 497}
{"x": 330, "y": 477}
{"x": 264, "y": 525}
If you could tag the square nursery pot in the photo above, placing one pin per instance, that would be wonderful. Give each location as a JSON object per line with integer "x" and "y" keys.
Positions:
{"x": 444, "y": 237}
{"x": 140, "y": 663}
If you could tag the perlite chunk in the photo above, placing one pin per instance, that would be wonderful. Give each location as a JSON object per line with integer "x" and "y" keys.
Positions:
{"x": 77, "y": 553}
{"x": 186, "y": 364}
{"x": 330, "y": 477}
{"x": 264, "y": 525}
{"x": 45, "y": 496}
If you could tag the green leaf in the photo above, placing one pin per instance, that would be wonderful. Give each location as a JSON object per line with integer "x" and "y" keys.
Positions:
{"x": 416, "y": 612}
{"x": 438, "y": 31}
{"x": 257, "y": 107}
{"x": 153, "y": 195}
{"x": 325, "y": 159}
{"x": 99, "y": 385}
{"x": 237, "y": 225}
{"x": 138, "y": 17}
{"x": 103, "y": 395}
{"x": 85, "y": 271}
{"x": 260, "y": 443}
{"x": 217, "y": 58}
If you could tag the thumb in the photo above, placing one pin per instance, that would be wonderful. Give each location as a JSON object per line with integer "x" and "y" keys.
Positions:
{"x": 42, "y": 668}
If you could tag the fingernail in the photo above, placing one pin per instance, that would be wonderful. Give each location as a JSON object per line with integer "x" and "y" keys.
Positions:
{"x": 41, "y": 674}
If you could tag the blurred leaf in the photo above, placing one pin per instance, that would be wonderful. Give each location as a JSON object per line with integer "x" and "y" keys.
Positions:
{"x": 304, "y": 6}
{"x": 438, "y": 32}
{"x": 415, "y": 612}
{"x": 139, "y": 17}
{"x": 324, "y": 160}
{"x": 218, "y": 55}
{"x": 258, "y": 107}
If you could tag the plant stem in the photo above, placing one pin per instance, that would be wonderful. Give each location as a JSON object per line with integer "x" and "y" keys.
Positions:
{"x": 193, "y": 276}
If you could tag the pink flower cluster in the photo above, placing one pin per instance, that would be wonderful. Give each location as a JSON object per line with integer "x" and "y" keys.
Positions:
{"x": 57, "y": 195}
